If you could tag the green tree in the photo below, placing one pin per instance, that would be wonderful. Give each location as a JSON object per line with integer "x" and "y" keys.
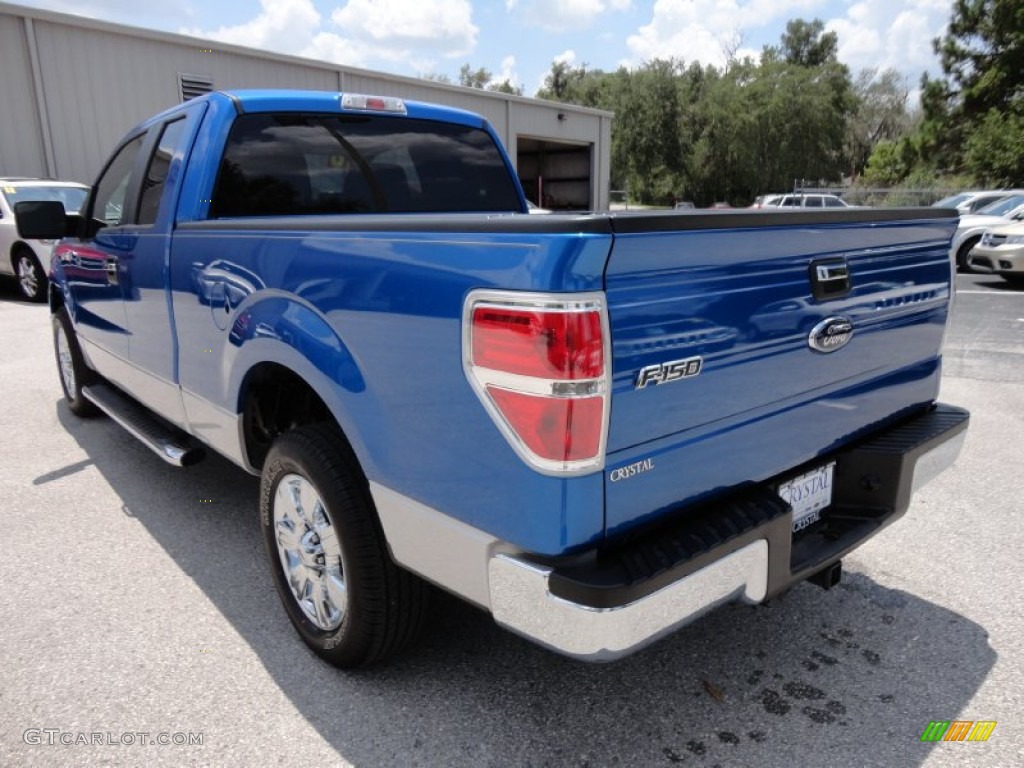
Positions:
{"x": 505, "y": 86}
{"x": 704, "y": 134}
{"x": 648, "y": 136}
{"x": 995, "y": 149}
{"x": 982, "y": 58}
{"x": 880, "y": 113}
{"x": 480, "y": 78}
{"x": 474, "y": 78}
{"x": 888, "y": 164}
{"x": 982, "y": 54}
{"x": 807, "y": 44}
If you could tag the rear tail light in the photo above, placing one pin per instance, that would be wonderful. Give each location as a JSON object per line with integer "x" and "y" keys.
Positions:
{"x": 540, "y": 365}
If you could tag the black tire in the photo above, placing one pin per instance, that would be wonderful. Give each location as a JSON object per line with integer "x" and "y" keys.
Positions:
{"x": 964, "y": 252}
{"x": 80, "y": 374}
{"x": 30, "y": 275}
{"x": 385, "y": 606}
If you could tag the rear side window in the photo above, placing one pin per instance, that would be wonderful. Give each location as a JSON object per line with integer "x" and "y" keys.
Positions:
{"x": 278, "y": 165}
{"x": 833, "y": 202}
{"x": 156, "y": 173}
{"x": 812, "y": 201}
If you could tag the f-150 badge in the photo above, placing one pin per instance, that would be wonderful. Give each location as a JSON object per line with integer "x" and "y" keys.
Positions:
{"x": 673, "y": 370}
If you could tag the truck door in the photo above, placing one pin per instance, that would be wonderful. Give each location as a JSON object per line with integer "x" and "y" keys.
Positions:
{"x": 92, "y": 265}
{"x": 152, "y": 344}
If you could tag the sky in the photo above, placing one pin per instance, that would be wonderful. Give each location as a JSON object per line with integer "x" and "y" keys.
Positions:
{"x": 519, "y": 39}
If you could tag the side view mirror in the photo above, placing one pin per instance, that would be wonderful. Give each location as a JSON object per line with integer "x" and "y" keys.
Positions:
{"x": 41, "y": 219}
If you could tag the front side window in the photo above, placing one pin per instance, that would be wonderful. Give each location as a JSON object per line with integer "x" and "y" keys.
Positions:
{"x": 278, "y": 165}
{"x": 108, "y": 206}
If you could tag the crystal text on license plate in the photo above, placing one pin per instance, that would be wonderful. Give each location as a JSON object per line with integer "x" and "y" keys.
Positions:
{"x": 808, "y": 495}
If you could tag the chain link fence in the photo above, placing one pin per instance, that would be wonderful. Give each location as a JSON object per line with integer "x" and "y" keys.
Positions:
{"x": 883, "y": 197}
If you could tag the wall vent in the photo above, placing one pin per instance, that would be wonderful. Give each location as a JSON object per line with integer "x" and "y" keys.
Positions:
{"x": 190, "y": 86}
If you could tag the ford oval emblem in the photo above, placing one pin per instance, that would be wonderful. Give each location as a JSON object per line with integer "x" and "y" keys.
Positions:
{"x": 830, "y": 334}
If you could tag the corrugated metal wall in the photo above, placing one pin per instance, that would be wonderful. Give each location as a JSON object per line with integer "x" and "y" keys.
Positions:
{"x": 70, "y": 88}
{"x": 21, "y": 145}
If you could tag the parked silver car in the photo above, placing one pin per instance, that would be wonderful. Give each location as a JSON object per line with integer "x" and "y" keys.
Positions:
{"x": 28, "y": 260}
{"x": 973, "y": 226}
{"x": 1001, "y": 252}
{"x": 973, "y": 200}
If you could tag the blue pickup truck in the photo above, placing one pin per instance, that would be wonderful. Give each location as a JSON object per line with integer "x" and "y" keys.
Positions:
{"x": 596, "y": 427}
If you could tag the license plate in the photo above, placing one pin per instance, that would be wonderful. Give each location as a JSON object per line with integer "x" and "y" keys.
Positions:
{"x": 808, "y": 495}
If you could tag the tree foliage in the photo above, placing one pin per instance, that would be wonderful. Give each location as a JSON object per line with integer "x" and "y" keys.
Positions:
{"x": 707, "y": 134}
{"x": 480, "y": 78}
{"x": 880, "y": 115}
{"x": 974, "y": 112}
{"x": 806, "y": 44}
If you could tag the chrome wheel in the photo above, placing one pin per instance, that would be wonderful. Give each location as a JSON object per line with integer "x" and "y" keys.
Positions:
{"x": 28, "y": 276}
{"x": 65, "y": 362}
{"x": 310, "y": 553}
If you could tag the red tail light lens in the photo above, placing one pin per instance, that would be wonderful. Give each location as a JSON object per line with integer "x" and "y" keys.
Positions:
{"x": 556, "y": 429}
{"x": 539, "y": 364}
{"x": 550, "y": 345}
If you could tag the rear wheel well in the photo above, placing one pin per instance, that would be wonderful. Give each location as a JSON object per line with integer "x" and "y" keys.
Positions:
{"x": 274, "y": 401}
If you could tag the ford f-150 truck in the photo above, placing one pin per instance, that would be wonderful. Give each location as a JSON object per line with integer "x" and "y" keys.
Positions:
{"x": 594, "y": 426}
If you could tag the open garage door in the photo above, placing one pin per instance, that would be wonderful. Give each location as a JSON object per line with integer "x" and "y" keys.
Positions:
{"x": 555, "y": 174}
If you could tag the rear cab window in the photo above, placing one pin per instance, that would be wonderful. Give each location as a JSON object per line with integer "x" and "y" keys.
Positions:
{"x": 294, "y": 164}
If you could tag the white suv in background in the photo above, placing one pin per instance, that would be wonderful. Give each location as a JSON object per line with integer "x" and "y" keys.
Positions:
{"x": 28, "y": 260}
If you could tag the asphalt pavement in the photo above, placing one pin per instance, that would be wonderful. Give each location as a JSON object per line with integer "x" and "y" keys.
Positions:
{"x": 136, "y": 607}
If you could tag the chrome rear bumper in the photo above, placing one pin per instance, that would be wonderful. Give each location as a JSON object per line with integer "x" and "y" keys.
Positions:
{"x": 746, "y": 564}
{"x": 522, "y": 602}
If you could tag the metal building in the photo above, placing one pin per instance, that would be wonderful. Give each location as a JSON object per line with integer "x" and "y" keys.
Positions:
{"x": 71, "y": 87}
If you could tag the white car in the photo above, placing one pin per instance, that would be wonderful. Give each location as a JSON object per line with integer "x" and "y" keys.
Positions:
{"x": 800, "y": 200}
{"x": 1001, "y": 252}
{"x": 973, "y": 226}
{"x": 28, "y": 260}
{"x": 973, "y": 200}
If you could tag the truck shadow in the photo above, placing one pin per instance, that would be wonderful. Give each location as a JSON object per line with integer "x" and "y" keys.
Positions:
{"x": 846, "y": 677}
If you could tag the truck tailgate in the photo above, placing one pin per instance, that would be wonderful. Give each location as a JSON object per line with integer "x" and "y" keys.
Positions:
{"x": 733, "y": 295}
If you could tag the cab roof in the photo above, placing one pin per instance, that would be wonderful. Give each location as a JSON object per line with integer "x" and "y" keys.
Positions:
{"x": 275, "y": 100}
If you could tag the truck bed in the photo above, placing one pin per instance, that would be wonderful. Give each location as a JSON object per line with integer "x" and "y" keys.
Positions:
{"x": 731, "y": 288}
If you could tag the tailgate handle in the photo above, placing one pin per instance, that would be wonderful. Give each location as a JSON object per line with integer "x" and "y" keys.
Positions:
{"x": 830, "y": 279}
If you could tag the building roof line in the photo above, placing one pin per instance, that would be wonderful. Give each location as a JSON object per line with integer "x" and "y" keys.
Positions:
{"x": 74, "y": 20}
